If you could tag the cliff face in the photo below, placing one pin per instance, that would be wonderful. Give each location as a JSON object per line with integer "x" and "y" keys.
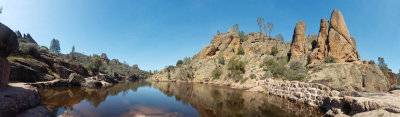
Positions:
{"x": 264, "y": 57}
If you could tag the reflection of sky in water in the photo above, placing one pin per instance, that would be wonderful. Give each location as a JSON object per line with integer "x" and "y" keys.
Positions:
{"x": 146, "y": 100}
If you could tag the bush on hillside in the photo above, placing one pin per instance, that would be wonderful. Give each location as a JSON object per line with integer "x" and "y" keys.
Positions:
{"x": 217, "y": 73}
{"x": 221, "y": 60}
{"x": 274, "y": 51}
{"x": 236, "y": 68}
{"x": 240, "y": 51}
{"x": 94, "y": 65}
{"x": 179, "y": 63}
{"x": 330, "y": 59}
{"x": 296, "y": 71}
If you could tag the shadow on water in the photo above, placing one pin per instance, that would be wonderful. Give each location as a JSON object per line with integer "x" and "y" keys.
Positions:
{"x": 169, "y": 99}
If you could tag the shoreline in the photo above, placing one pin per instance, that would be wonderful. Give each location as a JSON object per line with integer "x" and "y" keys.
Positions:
{"x": 331, "y": 102}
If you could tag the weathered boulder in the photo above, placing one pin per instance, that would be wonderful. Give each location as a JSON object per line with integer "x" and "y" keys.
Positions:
{"x": 76, "y": 79}
{"x": 24, "y": 73}
{"x": 299, "y": 42}
{"x": 350, "y": 77}
{"x": 62, "y": 71}
{"x": 321, "y": 49}
{"x": 392, "y": 78}
{"x": 334, "y": 41}
{"x": 92, "y": 83}
{"x": 17, "y": 98}
{"x": 8, "y": 43}
{"x": 341, "y": 48}
{"x": 338, "y": 23}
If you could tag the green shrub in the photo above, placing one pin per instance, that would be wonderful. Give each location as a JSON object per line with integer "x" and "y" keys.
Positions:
{"x": 94, "y": 65}
{"x": 236, "y": 68}
{"x": 187, "y": 60}
{"x": 253, "y": 76}
{"x": 221, "y": 60}
{"x": 243, "y": 80}
{"x": 179, "y": 63}
{"x": 217, "y": 73}
{"x": 296, "y": 71}
{"x": 28, "y": 48}
{"x": 330, "y": 59}
{"x": 240, "y": 51}
{"x": 242, "y": 37}
{"x": 274, "y": 51}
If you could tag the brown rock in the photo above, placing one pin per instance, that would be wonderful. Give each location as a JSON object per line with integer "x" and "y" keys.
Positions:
{"x": 299, "y": 42}
{"x": 338, "y": 23}
{"x": 392, "y": 78}
{"x": 341, "y": 48}
{"x": 17, "y": 98}
{"x": 320, "y": 50}
{"x": 8, "y": 43}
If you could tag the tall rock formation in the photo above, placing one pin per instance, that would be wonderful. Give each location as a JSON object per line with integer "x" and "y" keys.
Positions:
{"x": 8, "y": 43}
{"x": 299, "y": 43}
{"x": 334, "y": 41}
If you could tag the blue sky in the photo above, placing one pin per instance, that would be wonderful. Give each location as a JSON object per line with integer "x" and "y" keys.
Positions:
{"x": 156, "y": 33}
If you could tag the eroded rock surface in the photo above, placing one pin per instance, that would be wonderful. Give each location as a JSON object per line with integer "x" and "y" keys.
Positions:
{"x": 8, "y": 43}
{"x": 17, "y": 98}
{"x": 299, "y": 42}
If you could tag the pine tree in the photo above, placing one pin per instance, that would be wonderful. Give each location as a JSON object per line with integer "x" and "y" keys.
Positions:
{"x": 55, "y": 46}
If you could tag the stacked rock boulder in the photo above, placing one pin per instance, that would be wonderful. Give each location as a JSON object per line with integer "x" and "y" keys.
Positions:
{"x": 8, "y": 43}
{"x": 335, "y": 41}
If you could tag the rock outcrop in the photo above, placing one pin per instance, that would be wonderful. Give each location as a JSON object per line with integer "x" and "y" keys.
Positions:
{"x": 392, "y": 78}
{"x": 17, "y": 98}
{"x": 299, "y": 44}
{"x": 334, "y": 41}
{"x": 8, "y": 43}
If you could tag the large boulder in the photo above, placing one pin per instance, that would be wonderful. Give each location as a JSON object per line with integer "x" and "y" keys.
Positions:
{"x": 321, "y": 48}
{"x": 299, "y": 42}
{"x": 8, "y": 43}
{"x": 350, "y": 77}
{"x": 341, "y": 48}
{"x": 25, "y": 73}
{"x": 334, "y": 41}
{"x": 76, "y": 79}
{"x": 17, "y": 98}
{"x": 338, "y": 23}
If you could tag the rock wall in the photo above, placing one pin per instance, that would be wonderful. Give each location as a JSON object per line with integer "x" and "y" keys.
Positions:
{"x": 299, "y": 42}
{"x": 8, "y": 43}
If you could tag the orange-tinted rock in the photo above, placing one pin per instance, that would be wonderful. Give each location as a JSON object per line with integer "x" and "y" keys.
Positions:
{"x": 341, "y": 48}
{"x": 320, "y": 50}
{"x": 299, "y": 42}
{"x": 338, "y": 23}
{"x": 392, "y": 78}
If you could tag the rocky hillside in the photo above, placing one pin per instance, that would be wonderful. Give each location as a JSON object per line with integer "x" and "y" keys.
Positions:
{"x": 31, "y": 63}
{"x": 243, "y": 61}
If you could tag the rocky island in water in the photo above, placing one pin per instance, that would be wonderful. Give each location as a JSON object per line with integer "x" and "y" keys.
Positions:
{"x": 236, "y": 74}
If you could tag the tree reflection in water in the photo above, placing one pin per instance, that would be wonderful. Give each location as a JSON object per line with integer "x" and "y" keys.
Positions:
{"x": 207, "y": 100}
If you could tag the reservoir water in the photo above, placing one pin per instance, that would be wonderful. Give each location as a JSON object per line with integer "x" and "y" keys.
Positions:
{"x": 169, "y": 99}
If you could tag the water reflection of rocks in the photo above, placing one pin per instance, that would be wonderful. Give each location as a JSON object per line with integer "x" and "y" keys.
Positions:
{"x": 224, "y": 102}
{"x": 61, "y": 97}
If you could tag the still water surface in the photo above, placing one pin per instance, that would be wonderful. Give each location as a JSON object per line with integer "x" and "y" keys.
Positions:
{"x": 168, "y": 99}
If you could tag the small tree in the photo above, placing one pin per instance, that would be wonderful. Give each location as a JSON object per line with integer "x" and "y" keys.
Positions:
{"x": 55, "y": 46}
{"x": 260, "y": 22}
{"x": 280, "y": 37}
{"x": 236, "y": 28}
{"x": 1, "y": 9}
{"x": 242, "y": 36}
{"x": 270, "y": 27}
{"x": 330, "y": 59}
{"x": 179, "y": 63}
{"x": 274, "y": 51}
{"x": 218, "y": 32}
{"x": 240, "y": 51}
{"x": 383, "y": 66}
{"x": 73, "y": 49}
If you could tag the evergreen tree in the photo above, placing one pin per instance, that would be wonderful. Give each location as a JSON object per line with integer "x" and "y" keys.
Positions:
{"x": 236, "y": 28}
{"x": 383, "y": 66}
{"x": 55, "y": 46}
